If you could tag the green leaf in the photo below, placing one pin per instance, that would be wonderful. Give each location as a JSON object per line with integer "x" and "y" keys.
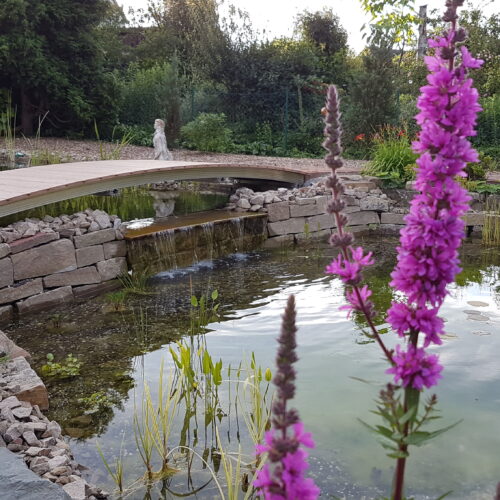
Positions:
{"x": 194, "y": 301}
{"x": 215, "y": 294}
{"x": 418, "y": 438}
{"x": 50, "y": 357}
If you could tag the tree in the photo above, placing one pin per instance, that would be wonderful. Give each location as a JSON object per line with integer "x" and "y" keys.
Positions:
{"x": 323, "y": 30}
{"x": 51, "y": 62}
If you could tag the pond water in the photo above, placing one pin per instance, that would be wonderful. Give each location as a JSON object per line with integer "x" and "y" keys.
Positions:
{"x": 339, "y": 373}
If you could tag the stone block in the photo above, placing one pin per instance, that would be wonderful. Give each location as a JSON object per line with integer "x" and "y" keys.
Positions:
{"x": 374, "y": 203}
{"x": 303, "y": 210}
{"x": 351, "y": 209}
{"x": 290, "y": 226}
{"x": 278, "y": 211}
{"x": 6, "y": 314}
{"x": 324, "y": 234}
{"x": 391, "y": 218}
{"x": 112, "y": 268}
{"x": 89, "y": 255}
{"x": 45, "y": 300}
{"x": 89, "y": 291}
{"x": 305, "y": 201}
{"x": 32, "y": 241}
{"x": 6, "y": 272}
{"x": 95, "y": 238}
{"x": 4, "y": 250}
{"x": 360, "y": 229}
{"x": 114, "y": 249}
{"x": 11, "y": 349}
{"x": 55, "y": 257}
{"x": 76, "y": 489}
{"x": 363, "y": 218}
{"x": 322, "y": 203}
{"x": 319, "y": 222}
{"x": 474, "y": 219}
{"x": 24, "y": 383}
{"x": 82, "y": 276}
{"x": 21, "y": 291}
{"x": 285, "y": 240}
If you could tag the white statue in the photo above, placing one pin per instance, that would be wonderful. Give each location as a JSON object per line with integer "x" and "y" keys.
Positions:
{"x": 160, "y": 142}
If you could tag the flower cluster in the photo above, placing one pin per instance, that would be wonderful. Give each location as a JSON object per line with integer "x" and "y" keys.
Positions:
{"x": 283, "y": 478}
{"x": 428, "y": 252}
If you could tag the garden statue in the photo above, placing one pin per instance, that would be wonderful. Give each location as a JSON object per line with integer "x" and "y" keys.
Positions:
{"x": 160, "y": 142}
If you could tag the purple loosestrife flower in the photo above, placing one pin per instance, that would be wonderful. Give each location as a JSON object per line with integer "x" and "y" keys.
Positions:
{"x": 283, "y": 478}
{"x": 414, "y": 368}
{"x": 428, "y": 253}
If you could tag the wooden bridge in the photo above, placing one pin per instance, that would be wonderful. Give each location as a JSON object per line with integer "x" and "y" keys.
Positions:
{"x": 26, "y": 188}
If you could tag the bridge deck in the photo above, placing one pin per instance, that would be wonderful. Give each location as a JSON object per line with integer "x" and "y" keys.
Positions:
{"x": 27, "y": 188}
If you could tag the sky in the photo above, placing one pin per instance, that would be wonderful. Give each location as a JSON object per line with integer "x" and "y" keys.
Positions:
{"x": 276, "y": 17}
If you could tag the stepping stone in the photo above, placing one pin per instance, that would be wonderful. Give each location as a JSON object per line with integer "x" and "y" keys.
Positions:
{"x": 481, "y": 333}
{"x": 477, "y": 303}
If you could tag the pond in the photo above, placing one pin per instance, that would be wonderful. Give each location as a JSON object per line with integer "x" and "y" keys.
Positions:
{"x": 339, "y": 373}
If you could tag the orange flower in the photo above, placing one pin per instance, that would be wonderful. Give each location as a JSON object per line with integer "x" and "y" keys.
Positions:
{"x": 360, "y": 137}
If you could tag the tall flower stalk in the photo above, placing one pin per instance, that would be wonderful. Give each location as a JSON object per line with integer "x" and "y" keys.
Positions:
{"x": 282, "y": 478}
{"x": 427, "y": 260}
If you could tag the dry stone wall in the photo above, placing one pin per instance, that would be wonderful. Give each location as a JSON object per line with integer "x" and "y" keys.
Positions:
{"x": 53, "y": 261}
{"x": 300, "y": 213}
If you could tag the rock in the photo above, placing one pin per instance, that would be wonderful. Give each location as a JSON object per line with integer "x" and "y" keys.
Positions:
{"x": 21, "y": 291}
{"x": 102, "y": 219}
{"x": 7, "y": 415}
{"x": 33, "y": 451}
{"x": 29, "y": 386}
{"x": 47, "y": 442}
{"x": 255, "y": 208}
{"x": 32, "y": 241}
{"x": 93, "y": 227}
{"x": 30, "y": 438}
{"x": 58, "y": 462}
{"x": 290, "y": 226}
{"x": 89, "y": 291}
{"x": 95, "y": 238}
{"x": 12, "y": 433}
{"x": 243, "y": 203}
{"x": 363, "y": 218}
{"x": 303, "y": 210}
{"x": 55, "y": 257}
{"x": 53, "y": 430}
{"x": 374, "y": 203}
{"x": 82, "y": 276}
{"x": 113, "y": 249}
{"x": 89, "y": 255}
{"x": 46, "y": 300}
{"x": 320, "y": 222}
{"x": 4, "y": 250}
{"x": 6, "y": 272}
{"x": 21, "y": 413}
{"x": 278, "y": 211}
{"x": 10, "y": 402}
{"x": 258, "y": 199}
{"x": 305, "y": 201}
{"x": 112, "y": 268}
{"x": 391, "y": 218}
{"x": 11, "y": 349}
{"x": 16, "y": 447}
{"x": 76, "y": 489}
{"x": 6, "y": 314}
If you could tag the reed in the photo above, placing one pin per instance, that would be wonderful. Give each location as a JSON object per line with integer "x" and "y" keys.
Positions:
{"x": 491, "y": 228}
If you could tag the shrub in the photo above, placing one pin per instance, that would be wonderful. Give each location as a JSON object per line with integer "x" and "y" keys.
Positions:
{"x": 488, "y": 124}
{"x": 139, "y": 135}
{"x": 393, "y": 157}
{"x": 208, "y": 132}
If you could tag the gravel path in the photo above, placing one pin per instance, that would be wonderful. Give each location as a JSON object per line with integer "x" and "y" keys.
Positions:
{"x": 89, "y": 150}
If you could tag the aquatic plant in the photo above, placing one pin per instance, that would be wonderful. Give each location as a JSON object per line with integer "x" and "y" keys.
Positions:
{"x": 136, "y": 281}
{"x": 204, "y": 310}
{"x": 116, "y": 471}
{"x": 428, "y": 253}
{"x": 113, "y": 151}
{"x": 284, "y": 444}
{"x": 8, "y": 129}
{"x": 68, "y": 368}
{"x": 491, "y": 228}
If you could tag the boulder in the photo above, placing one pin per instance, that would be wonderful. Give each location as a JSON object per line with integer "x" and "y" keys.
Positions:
{"x": 363, "y": 218}
{"x": 303, "y": 210}
{"x": 6, "y": 272}
{"x": 18, "y": 482}
{"x": 374, "y": 203}
{"x": 6, "y": 314}
{"x": 95, "y": 238}
{"x": 112, "y": 268}
{"x": 89, "y": 291}
{"x": 391, "y": 218}
{"x": 11, "y": 349}
{"x": 21, "y": 291}
{"x": 290, "y": 226}
{"x": 82, "y": 276}
{"x": 45, "y": 300}
{"x": 55, "y": 257}
{"x": 76, "y": 489}
{"x": 319, "y": 222}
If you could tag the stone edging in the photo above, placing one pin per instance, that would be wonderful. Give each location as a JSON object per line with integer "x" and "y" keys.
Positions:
{"x": 26, "y": 432}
